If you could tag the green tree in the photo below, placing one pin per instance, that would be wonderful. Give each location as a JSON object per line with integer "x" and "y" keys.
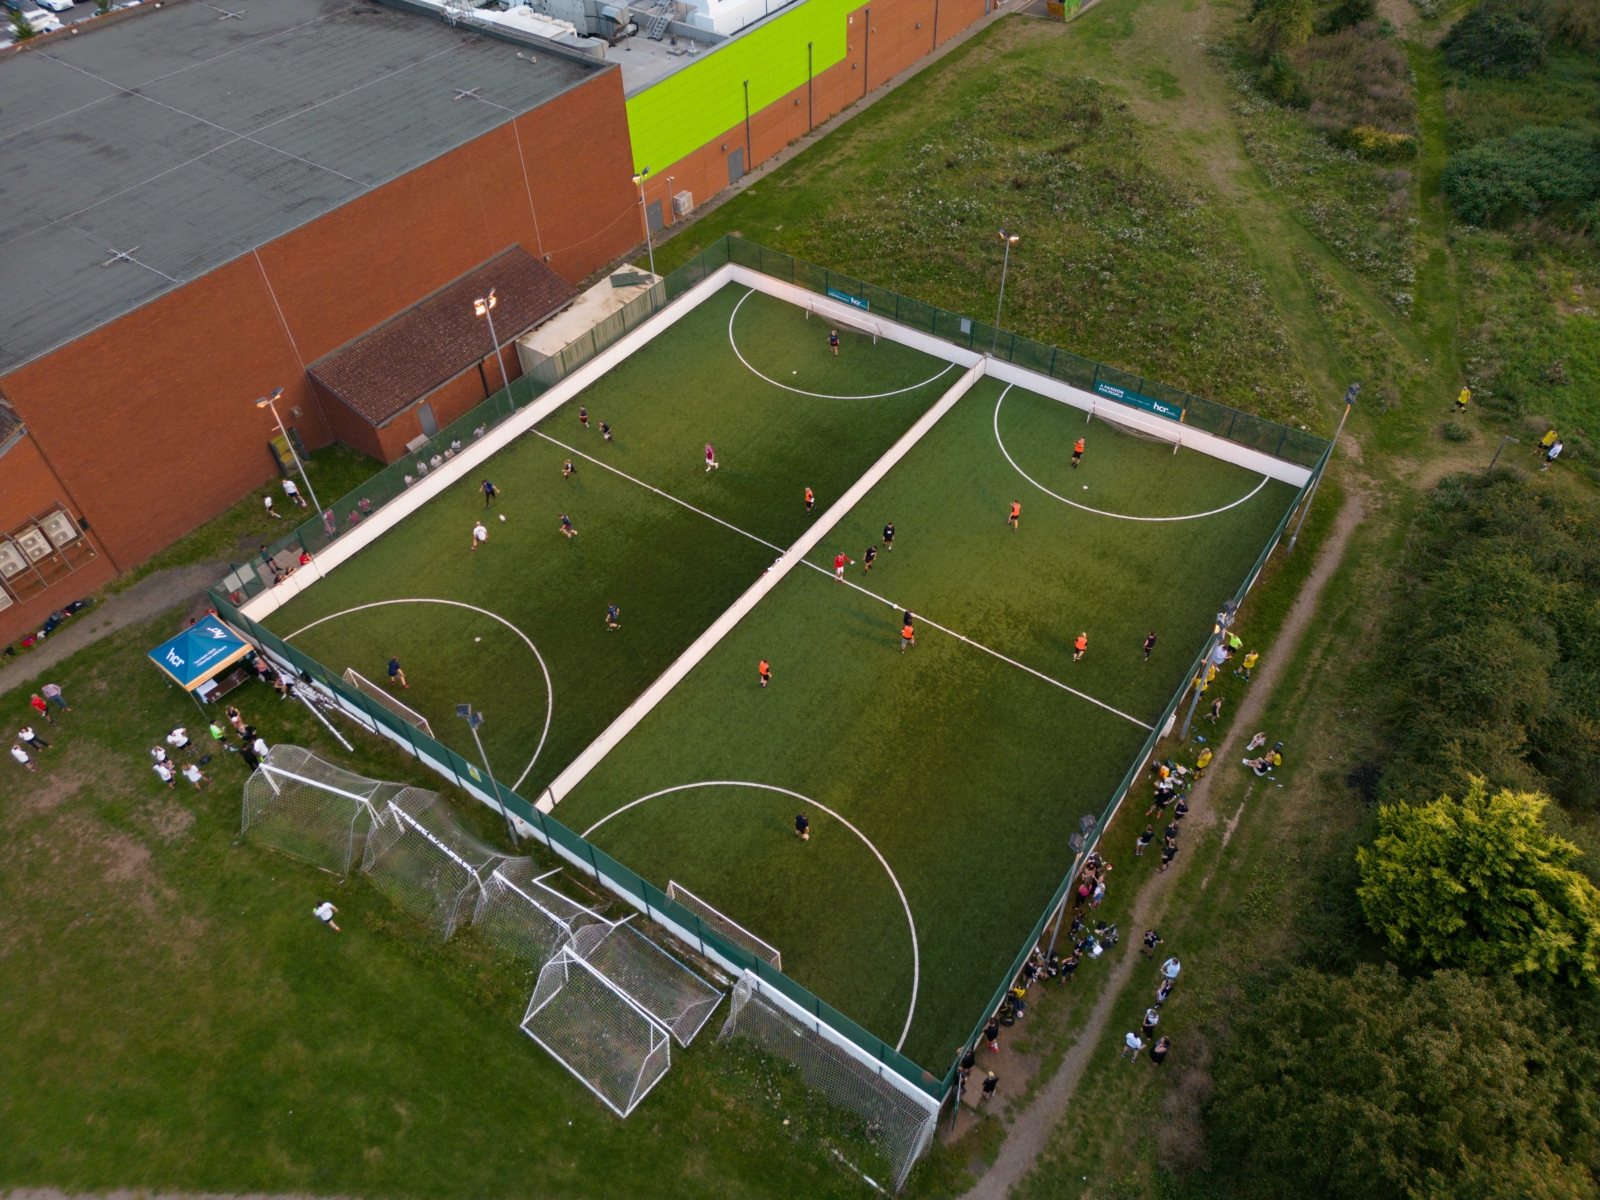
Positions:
{"x": 1281, "y": 26}
{"x": 1481, "y": 884}
{"x": 1493, "y": 39}
{"x": 1376, "y": 1087}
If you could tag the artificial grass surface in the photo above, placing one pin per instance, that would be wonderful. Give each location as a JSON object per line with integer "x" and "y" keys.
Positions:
{"x": 966, "y": 773}
{"x": 672, "y": 571}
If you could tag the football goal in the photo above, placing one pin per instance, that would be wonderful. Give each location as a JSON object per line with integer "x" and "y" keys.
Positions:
{"x": 895, "y": 1118}
{"x": 523, "y": 917}
{"x": 732, "y": 930}
{"x": 367, "y": 688}
{"x": 310, "y": 809}
{"x": 863, "y": 325}
{"x": 595, "y": 1030}
{"x": 674, "y": 996}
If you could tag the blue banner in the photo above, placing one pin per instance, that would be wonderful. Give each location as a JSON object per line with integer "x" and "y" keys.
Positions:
{"x": 853, "y": 301}
{"x": 200, "y": 651}
{"x": 1149, "y": 403}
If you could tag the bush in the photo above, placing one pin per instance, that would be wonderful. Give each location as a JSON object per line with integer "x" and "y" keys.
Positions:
{"x": 1380, "y": 144}
{"x": 1282, "y": 80}
{"x": 1456, "y": 433}
{"x": 1575, "y": 22}
{"x": 1344, "y": 15}
{"x": 1492, "y": 40}
{"x": 1535, "y": 171}
{"x": 1278, "y": 26}
{"x": 1381, "y": 1088}
{"x": 1359, "y": 80}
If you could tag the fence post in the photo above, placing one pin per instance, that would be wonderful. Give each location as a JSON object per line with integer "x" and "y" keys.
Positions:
{"x": 1282, "y": 437}
{"x": 594, "y": 863}
{"x": 1054, "y": 350}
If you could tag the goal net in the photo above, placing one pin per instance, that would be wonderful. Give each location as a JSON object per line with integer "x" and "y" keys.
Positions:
{"x": 898, "y": 1123}
{"x": 862, "y": 325}
{"x": 734, "y": 932}
{"x": 517, "y": 913}
{"x": 367, "y": 688}
{"x": 592, "y": 1028}
{"x": 670, "y": 992}
{"x": 419, "y": 856}
{"x": 310, "y": 809}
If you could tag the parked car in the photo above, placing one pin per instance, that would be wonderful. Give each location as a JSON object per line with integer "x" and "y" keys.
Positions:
{"x": 59, "y": 6}
{"x": 40, "y": 21}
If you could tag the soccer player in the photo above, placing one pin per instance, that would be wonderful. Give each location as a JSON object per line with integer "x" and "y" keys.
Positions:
{"x": 167, "y": 775}
{"x": 711, "y": 457}
{"x": 802, "y": 827}
{"x": 613, "y": 617}
{"x": 396, "y": 674}
{"x": 1149, "y": 644}
{"x": 1249, "y": 665}
{"x": 479, "y": 534}
{"x": 833, "y": 342}
{"x": 868, "y": 556}
{"x": 839, "y": 561}
{"x": 489, "y": 492}
{"x": 324, "y": 913}
{"x": 1080, "y": 645}
{"x": 1077, "y": 452}
{"x": 1016, "y": 515}
{"x": 293, "y": 492}
{"x": 583, "y": 416}
{"x": 568, "y": 469}
{"x": 888, "y": 537}
{"x": 811, "y": 500}
{"x": 271, "y": 512}
{"x": 605, "y": 431}
{"x": 1462, "y": 399}
{"x": 908, "y": 634}
{"x": 764, "y": 670}
{"x": 991, "y": 1034}
{"x": 196, "y": 776}
{"x": 566, "y": 527}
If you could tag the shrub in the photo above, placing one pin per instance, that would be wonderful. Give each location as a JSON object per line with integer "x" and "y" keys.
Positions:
{"x": 1534, "y": 171}
{"x": 1491, "y": 40}
{"x": 1380, "y": 144}
{"x": 1282, "y": 80}
{"x": 1344, "y": 14}
{"x": 1456, "y": 433}
{"x": 1356, "y": 78}
{"x": 1281, "y": 25}
{"x": 1576, "y": 22}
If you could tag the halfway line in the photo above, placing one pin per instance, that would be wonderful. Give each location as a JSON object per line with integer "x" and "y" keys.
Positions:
{"x": 942, "y": 629}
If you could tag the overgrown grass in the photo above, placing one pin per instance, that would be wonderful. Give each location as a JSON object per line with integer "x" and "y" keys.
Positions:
{"x": 1564, "y": 91}
{"x": 1123, "y": 257}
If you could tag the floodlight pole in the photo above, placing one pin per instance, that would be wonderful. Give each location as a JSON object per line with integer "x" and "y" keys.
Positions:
{"x": 271, "y": 402}
{"x": 1350, "y": 395}
{"x": 474, "y": 718}
{"x": 483, "y": 306}
{"x": 1010, "y": 240}
{"x": 644, "y": 215}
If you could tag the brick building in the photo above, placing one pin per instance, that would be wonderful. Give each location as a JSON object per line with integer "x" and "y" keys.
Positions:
{"x": 203, "y": 209}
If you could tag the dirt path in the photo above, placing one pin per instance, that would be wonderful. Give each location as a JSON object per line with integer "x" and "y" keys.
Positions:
{"x": 1030, "y": 1132}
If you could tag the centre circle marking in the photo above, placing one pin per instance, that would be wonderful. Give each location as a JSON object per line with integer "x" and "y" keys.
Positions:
{"x": 916, "y": 959}
{"x": 550, "y": 694}
{"x": 817, "y": 395}
{"x": 1100, "y": 511}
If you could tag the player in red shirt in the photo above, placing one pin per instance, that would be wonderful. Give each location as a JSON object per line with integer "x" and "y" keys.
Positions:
{"x": 711, "y": 457}
{"x": 839, "y": 561}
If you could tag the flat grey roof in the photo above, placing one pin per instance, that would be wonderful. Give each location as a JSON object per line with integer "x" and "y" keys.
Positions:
{"x": 197, "y": 137}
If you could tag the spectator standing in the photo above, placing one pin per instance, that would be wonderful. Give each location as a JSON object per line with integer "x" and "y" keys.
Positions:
{"x": 991, "y": 1080}
{"x": 40, "y": 707}
{"x": 52, "y": 693}
{"x": 991, "y": 1031}
{"x": 21, "y": 755}
{"x": 165, "y": 773}
{"x": 1158, "y": 1052}
{"x": 1132, "y": 1043}
{"x": 1152, "y": 939}
{"x": 195, "y": 776}
{"x": 1152, "y": 1018}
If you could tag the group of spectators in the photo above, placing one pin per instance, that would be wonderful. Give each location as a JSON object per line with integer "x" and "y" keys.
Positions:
{"x": 28, "y": 738}
{"x": 1135, "y": 1041}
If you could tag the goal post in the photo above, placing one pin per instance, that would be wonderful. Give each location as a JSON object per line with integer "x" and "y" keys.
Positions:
{"x": 310, "y": 809}
{"x": 420, "y": 858}
{"x": 865, "y": 326}
{"x": 723, "y": 924}
{"x": 371, "y": 690}
{"x": 674, "y": 996}
{"x": 524, "y": 918}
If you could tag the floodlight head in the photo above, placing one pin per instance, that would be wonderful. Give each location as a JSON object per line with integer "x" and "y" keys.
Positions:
{"x": 277, "y": 394}
{"x": 264, "y": 401}
{"x": 464, "y": 711}
{"x": 483, "y": 304}
{"x": 1009, "y": 239}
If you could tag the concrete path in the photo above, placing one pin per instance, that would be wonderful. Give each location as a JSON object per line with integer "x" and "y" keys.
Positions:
{"x": 145, "y": 600}
{"x": 1030, "y": 1133}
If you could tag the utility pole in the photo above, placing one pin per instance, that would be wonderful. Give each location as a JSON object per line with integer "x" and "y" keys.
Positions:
{"x": 1350, "y": 395}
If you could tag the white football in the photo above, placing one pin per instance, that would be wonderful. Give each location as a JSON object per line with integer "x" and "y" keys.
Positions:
{"x": 477, "y": 639}
{"x": 502, "y": 516}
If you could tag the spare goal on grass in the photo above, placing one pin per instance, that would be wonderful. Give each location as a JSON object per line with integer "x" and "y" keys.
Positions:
{"x": 523, "y": 917}
{"x": 898, "y": 1119}
{"x": 670, "y": 992}
{"x": 302, "y": 806}
{"x": 734, "y": 932}
{"x": 595, "y": 1030}
{"x": 367, "y": 688}
{"x": 422, "y": 859}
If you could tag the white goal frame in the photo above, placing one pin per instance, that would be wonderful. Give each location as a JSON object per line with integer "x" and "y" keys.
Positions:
{"x": 725, "y": 925}
{"x": 861, "y": 325}
{"x": 405, "y": 712}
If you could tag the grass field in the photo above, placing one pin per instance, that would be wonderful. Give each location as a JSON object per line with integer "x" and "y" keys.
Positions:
{"x": 929, "y": 777}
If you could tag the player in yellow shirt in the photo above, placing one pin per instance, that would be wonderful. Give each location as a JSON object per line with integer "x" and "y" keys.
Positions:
{"x": 1463, "y": 399}
{"x": 1249, "y": 665}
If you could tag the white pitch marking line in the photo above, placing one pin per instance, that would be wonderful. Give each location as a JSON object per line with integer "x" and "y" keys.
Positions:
{"x": 980, "y": 646}
{"x": 817, "y": 395}
{"x": 763, "y": 541}
{"x": 1100, "y": 511}
{"x": 916, "y": 958}
{"x": 550, "y": 692}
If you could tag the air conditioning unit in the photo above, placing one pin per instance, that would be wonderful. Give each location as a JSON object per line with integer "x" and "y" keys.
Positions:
{"x": 12, "y": 561}
{"x": 60, "y": 528}
{"x": 683, "y": 204}
{"x": 5, "y": 600}
{"x": 33, "y": 542}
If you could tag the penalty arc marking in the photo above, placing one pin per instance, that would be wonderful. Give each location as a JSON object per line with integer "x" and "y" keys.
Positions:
{"x": 1100, "y": 511}
{"x": 550, "y": 694}
{"x": 817, "y": 395}
{"x": 916, "y": 959}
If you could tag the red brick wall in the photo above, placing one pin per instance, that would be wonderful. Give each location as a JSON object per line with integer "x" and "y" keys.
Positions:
{"x": 898, "y": 33}
{"x": 30, "y": 489}
{"x": 149, "y": 419}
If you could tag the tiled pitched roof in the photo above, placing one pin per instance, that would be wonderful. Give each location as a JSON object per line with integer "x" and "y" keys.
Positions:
{"x": 388, "y": 368}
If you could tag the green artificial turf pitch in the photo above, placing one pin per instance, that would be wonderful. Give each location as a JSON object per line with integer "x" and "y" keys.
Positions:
{"x": 961, "y": 769}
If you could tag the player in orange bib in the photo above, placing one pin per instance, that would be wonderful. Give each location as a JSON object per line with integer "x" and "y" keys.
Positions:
{"x": 811, "y": 500}
{"x": 765, "y": 672}
{"x": 1016, "y": 514}
{"x": 1077, "y": 452}
{"x": 1080, "y": 645}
